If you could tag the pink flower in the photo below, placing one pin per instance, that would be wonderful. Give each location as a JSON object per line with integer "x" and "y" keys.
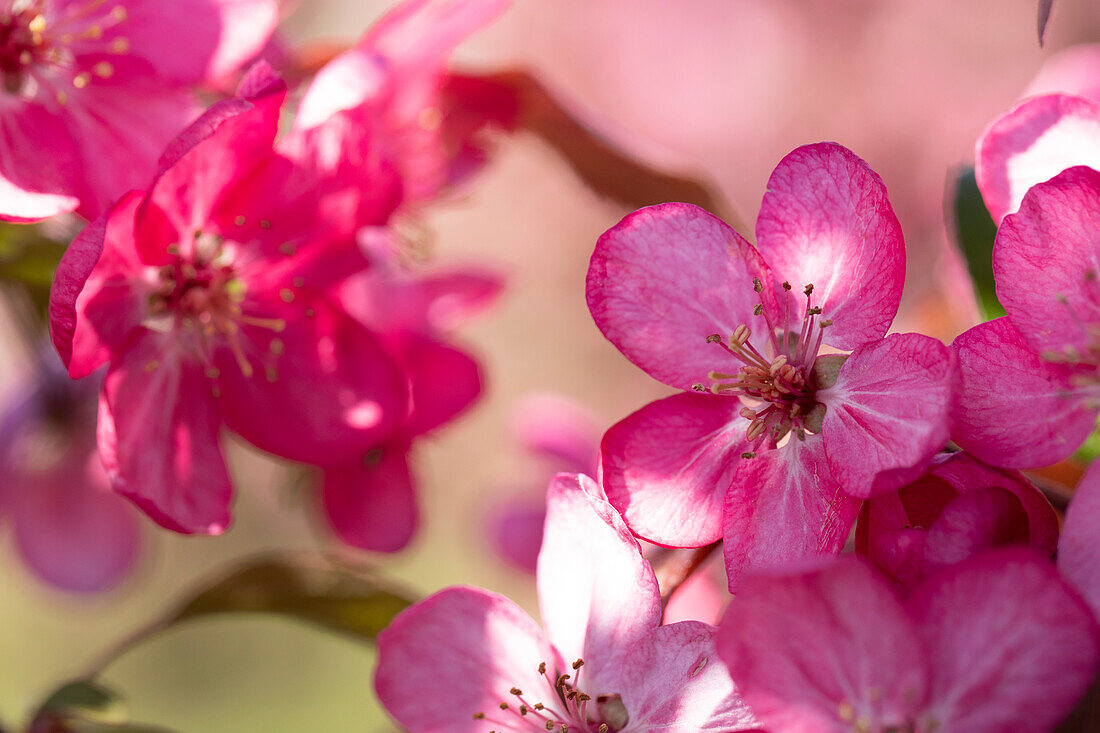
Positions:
{"x": 466, "y": 659}
{"x": 557, "y": 435}
{"x": 70, "y": 530}
{"x": 959, "y": 508}
{"x": 776, "y": 454}
{"x": 1030, "y": 381}
{"x": 996, "y": 643}
{"x": 208, "y": 297}
{"x": 1032, "y": 143}
{"x": 427, "y": 122}
{"x": 95, "y": 89}
{"x": 370, "y": 500}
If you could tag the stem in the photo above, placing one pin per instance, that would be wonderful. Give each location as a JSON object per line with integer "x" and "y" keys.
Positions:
{"x": 677, "y": 566}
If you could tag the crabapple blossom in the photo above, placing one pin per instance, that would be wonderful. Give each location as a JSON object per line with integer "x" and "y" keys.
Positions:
{"x": 958, "y": 508}
{"x": 774, "y": 441}
{"x": 94, "y": 89}
{"x": 995, "y": 643}
{"x": 466, "y": 659}
{"x": 1029, "y": 384}
{"x": 1078, "y": 550}
{"x": 209, "y": 296}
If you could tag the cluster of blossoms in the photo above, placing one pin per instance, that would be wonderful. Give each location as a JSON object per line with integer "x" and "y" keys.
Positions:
{"x": 232, "y": 278}
{"x": 802, "y": 424}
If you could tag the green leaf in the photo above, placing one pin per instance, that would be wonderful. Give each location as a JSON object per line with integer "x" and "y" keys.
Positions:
{"x": 85, "y": 699}
{"x": 1090, "y": 449}
{"x": 974, "y": 233}
{"x": 341, "y": 598}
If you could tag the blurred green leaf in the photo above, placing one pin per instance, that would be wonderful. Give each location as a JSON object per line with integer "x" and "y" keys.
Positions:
{"x": 85, "y": 706}
{"x": 974, "y": 233}
{"x": 1090, "y": 449}
{"x": 341, "y": 598}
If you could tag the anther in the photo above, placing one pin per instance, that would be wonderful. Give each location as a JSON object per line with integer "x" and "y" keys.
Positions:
{"x": 516, "y": 691}
{"x": 786, "y": 286}
{"x": 714, "y": 339}
{"x": 748, "y": 413}
{"x": 504, "y": 706}
{"x": 809, "y": 289}
{"x": 748, "y": 454}
{"x": 757, "y": 309}
{"x": 814, "y": 311}
{"x": 542, "y": 667}
{"x": 578, "y": 664}
{"x": 479, "y": 716}
{"x": 698, "y": 387}
{"x": 757, "y": 285}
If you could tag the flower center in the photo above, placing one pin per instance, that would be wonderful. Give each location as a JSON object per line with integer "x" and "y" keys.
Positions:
{"x": 778, "y": 386}
{"x": 203, "y": 296}
{"x": 34, "y": 57}
{"x": 567, "y": 708}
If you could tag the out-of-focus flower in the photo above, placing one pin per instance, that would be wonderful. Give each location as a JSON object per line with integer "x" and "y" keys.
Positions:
{"x": 484, "y": 664}
{"x": 70, "y": 529}
{"x": 210, "y": 297}
{"x": 1073, "y": 70}
{"x": 959, "y": 508}
{"x": 557, "y": 435}
{"x": 94, "y": 90}
{"x": 1029, "y": 384}
{"x": 995, "y": 643}
{"x": 395, "y": 82}
{"x": 777, "y": 457}
{"x": 370, "y": 500}
{"x": 1032, "y": 143}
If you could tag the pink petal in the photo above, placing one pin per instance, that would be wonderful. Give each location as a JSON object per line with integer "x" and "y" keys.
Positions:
{"x": 95, "y": 300}
{"x": 700, "y": 598}
{"x": 516, "y": 532}
{"x": 598, "y": 595}
{"x": 421, "y": 34}
{"x": 1010, "y": 646}
{"x": 888, "y": 413}
{"x": 1071, "y": 70}
{"x": 1013, "y": 408}
{"x": 664, "y": 279}
{"x": 246, "y": 28}
{"x": 455, "y": 295}
{"x": 326, "y": 394}
{"x": 667, "y": 467}
{"x": 371, "y": 503}
{"x": 1032, "y": 143}
{"x": 443, "y": 383}
{"x": 815, "y": 651}
{"x": 217, "y": 152}
{"x": 1079, "y": 550}
{"x": 1045, "y": 264}
{"x": 783, "y": 507}
{"x": 980, "y": 519}
{"x": 674, "y": 682}
{"x": 457, "y": 653}
{"x": 158, "y": 437}
{"x": 71, "y": 531}
{"x": 826, "y": 221}
{"x": 31, "y": 188}
{"x": 558, "y": 429}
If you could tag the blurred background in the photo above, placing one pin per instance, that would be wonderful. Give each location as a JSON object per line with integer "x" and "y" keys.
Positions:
{"x": 718, "y": 90}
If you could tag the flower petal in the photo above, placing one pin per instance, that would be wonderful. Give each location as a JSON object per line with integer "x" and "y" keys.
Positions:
{"x": 557, "y": 428}
{"x": 664, "y": 279}
{"x": 1013, "y": 408}
{"x": 667, "y": 467}
{"x": 783, "y": 507}
{"x": 158, "y": 437}
{"x": 1078, "y": 549}
{"x": 32, "y": 188}
{"x": 597, "y": 593}
{"x": 462, "y": 650}
{"x": 444, "y": 382}
{"x": 1008, "y": 642}
{"x": 516, "y": 531}
{"x": 371, "y": 503}
{"x": 1045, "y": 261}
{"x": 820, "y": 649}
{"x": 97, "y": 298}
{"x": 888, "y": 413}
{"x": 826, "y": 221}
{"x": 1032, "y": 143}
{"x": 320, "y": 391}
{"x": 674, "y": 682}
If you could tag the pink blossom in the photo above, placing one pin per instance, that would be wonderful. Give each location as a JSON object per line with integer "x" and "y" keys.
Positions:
{"x": 777, "y": 453}
{"x": 1030, "y": 381}
{"x": 466, "y": 659}
{"x": 95, "y": 90}
{"x": 209, "y": 298}
{"x": 370, "y": 500}
{"x": 70, "y": 530}
{"x": 428, "y": 122}
{"x": 958, "y": 508}
{"x": 996, "y": 643}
